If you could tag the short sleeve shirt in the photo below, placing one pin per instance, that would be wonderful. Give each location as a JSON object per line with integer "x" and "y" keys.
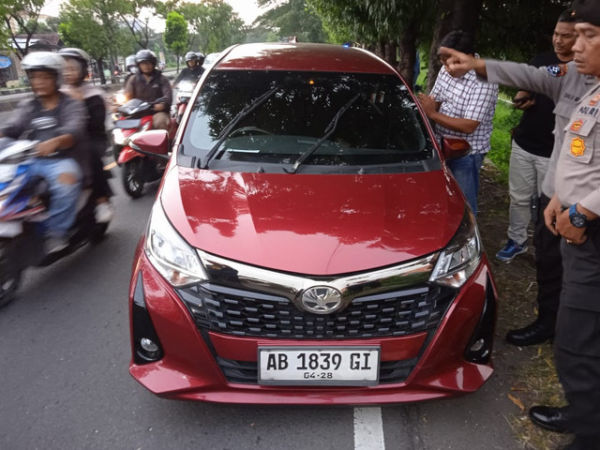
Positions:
{"x": 467, "y": 97}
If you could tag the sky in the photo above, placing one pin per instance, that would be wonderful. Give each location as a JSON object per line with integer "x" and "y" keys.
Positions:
{"x": 247, "y": 9}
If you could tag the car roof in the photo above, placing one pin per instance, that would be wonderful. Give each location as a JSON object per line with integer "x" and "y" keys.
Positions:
{"x": 302, "y": 57}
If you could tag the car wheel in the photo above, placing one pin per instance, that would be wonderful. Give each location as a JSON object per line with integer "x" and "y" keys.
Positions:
{"x": 9, "y": 277}
{"x": 133, "y": 177}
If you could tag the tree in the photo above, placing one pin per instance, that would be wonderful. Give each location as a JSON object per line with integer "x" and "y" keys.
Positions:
{"x": 292, "y": 18}
{"x": 390, "y": 27}
{"x": 213, "y": 25}
{"x": 20, "y": 16}
{"x": 131, "y": 14}
{"x": 93, "y": 26}
{"x": 176, "y": 34}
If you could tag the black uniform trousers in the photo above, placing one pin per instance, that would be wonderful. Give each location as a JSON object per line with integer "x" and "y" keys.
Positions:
{"x": 577, "y": 341}
{"x": 548, "y": 265}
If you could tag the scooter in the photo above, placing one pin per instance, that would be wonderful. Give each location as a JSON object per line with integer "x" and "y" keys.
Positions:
{"x": 137, "y": 168}
{"x": 131, "y": 117}
{"x": 24, "y": 201}
{"x": 184, "y": 92}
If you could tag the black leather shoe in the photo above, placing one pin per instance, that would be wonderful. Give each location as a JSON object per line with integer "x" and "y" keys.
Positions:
{"x": 550, "y": 418}
{"x": 587, "y": 443}
{"x": 534, "y": 333}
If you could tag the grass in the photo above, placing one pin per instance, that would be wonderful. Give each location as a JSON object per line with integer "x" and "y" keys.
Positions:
{"x": 505, "y": 119}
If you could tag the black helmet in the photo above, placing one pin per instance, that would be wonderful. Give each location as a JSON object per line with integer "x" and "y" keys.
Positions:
{"x": 200, "y": 57}
{"x": 190, "y": 56}
{"x": 145, "y": 55}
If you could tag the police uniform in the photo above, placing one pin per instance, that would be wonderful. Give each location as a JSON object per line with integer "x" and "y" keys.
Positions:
{"x": 577, "y": 344}
{"x": 565, "y": 86}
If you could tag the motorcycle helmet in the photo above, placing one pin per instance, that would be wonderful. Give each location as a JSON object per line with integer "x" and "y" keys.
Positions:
{"x": 130, "y": 62}
{"x": 79, "y": 55}
{"x": 200, "y": 58}
{"x": 191, "y": 56}
{"x": 145, "y": 55}
{"x": 45, "y": 61}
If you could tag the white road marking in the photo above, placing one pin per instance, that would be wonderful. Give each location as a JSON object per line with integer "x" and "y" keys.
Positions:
{"x": 368, "y": 429}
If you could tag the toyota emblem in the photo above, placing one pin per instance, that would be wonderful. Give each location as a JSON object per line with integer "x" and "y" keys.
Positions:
{"x": 321, "y": 300}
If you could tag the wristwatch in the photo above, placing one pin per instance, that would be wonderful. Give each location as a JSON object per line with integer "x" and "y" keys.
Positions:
{"x": 577, "y": 219}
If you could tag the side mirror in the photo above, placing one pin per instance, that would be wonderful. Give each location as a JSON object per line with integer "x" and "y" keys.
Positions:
{"x": 454, "y": 148}
{"x": 151, "y": 143}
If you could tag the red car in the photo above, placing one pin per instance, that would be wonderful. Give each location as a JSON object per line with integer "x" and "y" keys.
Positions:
{"x": 308, "y": 244}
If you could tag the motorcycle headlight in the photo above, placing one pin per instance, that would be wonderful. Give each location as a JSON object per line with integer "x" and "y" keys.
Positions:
{"x": 118, "y": 136}
{"x": 169, "y": 253}
{"x": 462, "y": 255}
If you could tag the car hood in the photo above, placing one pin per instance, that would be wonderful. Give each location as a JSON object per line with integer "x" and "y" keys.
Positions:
{"x": 313, "y": 224}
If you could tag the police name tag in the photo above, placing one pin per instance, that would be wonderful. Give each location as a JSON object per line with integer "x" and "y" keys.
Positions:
{"x": 324, "y": 366}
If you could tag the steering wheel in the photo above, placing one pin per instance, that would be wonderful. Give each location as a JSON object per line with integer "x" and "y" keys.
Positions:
{"x": 247, "y": 130}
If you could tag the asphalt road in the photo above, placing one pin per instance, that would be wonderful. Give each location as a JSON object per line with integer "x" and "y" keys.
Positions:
{"x": 64, "y": 384}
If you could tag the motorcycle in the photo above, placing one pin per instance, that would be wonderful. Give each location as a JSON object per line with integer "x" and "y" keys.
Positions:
{"x": 184, "y": 92}
{"x": 24, "y": 201}
{"x": 137, "y": 168}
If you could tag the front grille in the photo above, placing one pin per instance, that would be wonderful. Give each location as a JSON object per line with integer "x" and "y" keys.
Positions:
{"x": 247, "y": 372}
{"x": 252, "y": 314}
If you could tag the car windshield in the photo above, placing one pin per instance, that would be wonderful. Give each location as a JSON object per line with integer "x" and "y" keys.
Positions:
{"x": 324, "y": 122}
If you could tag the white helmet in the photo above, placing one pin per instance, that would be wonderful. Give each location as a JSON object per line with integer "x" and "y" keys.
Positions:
{"x": 130, "y": 61}
{"x": 46, "y": 61}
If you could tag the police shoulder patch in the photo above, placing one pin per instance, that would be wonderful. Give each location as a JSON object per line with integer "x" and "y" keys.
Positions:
{"x": 558, "y": 70}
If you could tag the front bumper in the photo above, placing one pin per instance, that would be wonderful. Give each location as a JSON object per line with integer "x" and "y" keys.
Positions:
{"x": 199, "y": 364}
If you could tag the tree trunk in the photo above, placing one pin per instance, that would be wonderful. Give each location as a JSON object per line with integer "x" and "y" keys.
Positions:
{"x": 453, "y": 15}
{"x": 101, "y": 71}
{"x": 408, "y": 54}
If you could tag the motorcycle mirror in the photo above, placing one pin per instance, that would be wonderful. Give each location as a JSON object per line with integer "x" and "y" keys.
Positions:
{"x": 151, "y": 143}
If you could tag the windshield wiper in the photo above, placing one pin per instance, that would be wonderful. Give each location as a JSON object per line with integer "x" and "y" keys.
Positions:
{"x": 328, "y": 132}
{"x": 239, "y": 116}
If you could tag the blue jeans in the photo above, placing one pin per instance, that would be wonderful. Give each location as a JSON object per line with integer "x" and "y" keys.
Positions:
{"x": 466, "y": 172}
{"x": 63, "y": 196}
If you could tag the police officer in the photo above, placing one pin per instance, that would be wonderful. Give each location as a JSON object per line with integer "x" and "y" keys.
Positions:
{"x": 573, "y": 213}
{"x": 564, "y": 85}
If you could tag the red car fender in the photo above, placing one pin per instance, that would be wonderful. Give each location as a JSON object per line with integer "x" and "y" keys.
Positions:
{"x": 127, "y": 154}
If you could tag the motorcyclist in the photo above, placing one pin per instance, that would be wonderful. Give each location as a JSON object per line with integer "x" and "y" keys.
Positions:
{"x": 151, "y": 86}
{"x": 200, "y": 60}
{"x": 130, "y": 67}
{"x": 193, "y": 69}
{"x": 57, "y": 121}
{"x": 76, "y": 64}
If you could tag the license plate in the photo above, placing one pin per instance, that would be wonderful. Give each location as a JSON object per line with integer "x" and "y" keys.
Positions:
{"x": 10, "y": 229}
{"x": 326, "y": 366}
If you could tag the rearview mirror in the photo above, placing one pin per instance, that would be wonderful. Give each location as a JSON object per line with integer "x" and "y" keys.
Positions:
{"x": 151, "y": 143}
{"x": 454, "y": 148}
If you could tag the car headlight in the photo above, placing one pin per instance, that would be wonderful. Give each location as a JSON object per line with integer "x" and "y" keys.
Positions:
{"x": 462, "y": 255}
{"x": 169, "y": 253}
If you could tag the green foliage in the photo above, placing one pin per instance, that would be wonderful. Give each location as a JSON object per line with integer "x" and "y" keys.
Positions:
{"x": 505, "y": 120}
{"x": 176, "y": 33}
{"x": 213, "y": 25}
{"x": 518, "y": 29}
{"x": 370, "y": 21}
{"x": 293, "y": 18}
{"x": 81, "y": 26}
{"x": 23, "y": 13}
